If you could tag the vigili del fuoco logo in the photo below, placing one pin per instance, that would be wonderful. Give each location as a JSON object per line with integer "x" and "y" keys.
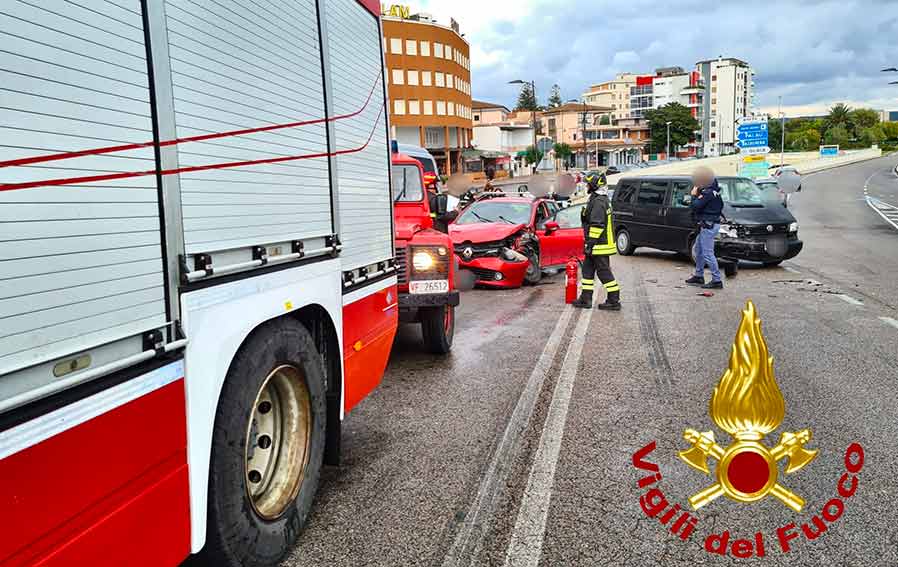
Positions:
{"x": 747, "y": 404}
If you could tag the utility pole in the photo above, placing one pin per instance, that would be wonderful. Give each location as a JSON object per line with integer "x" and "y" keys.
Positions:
{"x": 668, "y": 141}
{"x": 782, "y": 132}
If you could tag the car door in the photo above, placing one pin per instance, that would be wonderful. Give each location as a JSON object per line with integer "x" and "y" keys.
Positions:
{"x": 566, "y": 242}
{"x": 680, "y": 226}
{"x": 648, "y": 224}
{"x": 541, "y": 215}
{"x": 622, "y": 206}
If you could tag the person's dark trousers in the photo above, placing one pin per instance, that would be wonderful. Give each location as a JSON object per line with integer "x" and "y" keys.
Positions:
{"x": 600, "y": 266}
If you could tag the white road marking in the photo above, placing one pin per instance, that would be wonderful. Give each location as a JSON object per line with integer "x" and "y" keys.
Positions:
{"x": 849, "y": 299}
{"x": 889, "y": 321}
{"x": 525, "y": 547}
{"x": 467, "y": 544}
{"x": 885, "y": 210}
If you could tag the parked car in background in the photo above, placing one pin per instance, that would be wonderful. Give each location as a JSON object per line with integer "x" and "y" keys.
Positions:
{"x": 611, "y": 170}
{"x": 655, "y": 212}
{"x": 779, "y": 170}
{"x": 771, "y": 191}
{"x": 507, "y": 241}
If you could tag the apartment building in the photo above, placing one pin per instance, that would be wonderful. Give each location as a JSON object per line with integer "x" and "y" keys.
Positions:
{"x": 429, "y": 86}
{"x": 488, "y": 112}
{"x": 727, "y": 98}
{"x": 613, "y": 94}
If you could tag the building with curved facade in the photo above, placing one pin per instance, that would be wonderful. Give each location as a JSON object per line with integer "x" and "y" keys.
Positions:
{"x": 429, "y": 85}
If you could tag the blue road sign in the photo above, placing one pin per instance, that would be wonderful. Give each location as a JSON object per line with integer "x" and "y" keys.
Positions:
{"x": 752, "y": 135}
{"x": 753, "y": 126}
{"x": 758, "y": 143}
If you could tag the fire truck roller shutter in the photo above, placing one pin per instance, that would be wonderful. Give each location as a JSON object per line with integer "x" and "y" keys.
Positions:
{"x": 243, "y": 66}
{"x": 366, "y": 217}
{"x": 80, "y": 262}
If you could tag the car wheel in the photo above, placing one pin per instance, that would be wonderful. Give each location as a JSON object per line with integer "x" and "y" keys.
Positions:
{"x": 267, "y": 447}
{"x": 731, "y": 268}
{"x": 438, "y": 328}
{"x": 623, "y": 242}
{"x": 534, "y": 272}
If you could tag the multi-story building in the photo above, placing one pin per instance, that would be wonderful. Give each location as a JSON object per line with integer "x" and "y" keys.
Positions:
{"x": 429, "y": 85}
{"x": 668, "y": 85}
{"x": 613, "y": 94}
{"x": 488, "y": 112}
{"x": 727, "y": 98}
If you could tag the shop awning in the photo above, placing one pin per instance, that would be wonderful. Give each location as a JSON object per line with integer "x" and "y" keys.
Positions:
{"x": 484, "y": 154}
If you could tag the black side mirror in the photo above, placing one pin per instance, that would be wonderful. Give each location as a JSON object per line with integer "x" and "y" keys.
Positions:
{"x": 522, "y": 188}
{"x": 442, "y": 203}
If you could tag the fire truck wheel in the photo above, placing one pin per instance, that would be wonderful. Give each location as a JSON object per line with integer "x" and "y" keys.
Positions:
{"x": 438, "y": 328}
{"x": 267, "y": 447}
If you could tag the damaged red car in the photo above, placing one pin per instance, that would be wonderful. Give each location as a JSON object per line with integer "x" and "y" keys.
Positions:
{"x": 507, "y": 241}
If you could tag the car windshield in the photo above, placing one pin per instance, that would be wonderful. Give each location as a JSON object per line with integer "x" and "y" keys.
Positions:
{"x": 407, "y": 184}
{"x": 426, "y": 164}
{"x": 495, "y": 211}
{"x": 742, "y": 193}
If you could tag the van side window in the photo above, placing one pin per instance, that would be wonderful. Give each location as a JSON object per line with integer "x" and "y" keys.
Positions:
{"x": 625, "y": 192}
{"x": 680, "y": 190}
{"x": 652, "y": 193}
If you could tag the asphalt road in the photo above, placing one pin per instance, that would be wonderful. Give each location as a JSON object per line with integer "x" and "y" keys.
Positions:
{"x": 517, "y": 449}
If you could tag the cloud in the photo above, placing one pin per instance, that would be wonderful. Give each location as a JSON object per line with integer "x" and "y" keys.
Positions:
{"x": 812, "y": 53}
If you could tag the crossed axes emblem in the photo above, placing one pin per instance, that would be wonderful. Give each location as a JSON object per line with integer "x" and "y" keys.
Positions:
{"x": 791, "y": 445}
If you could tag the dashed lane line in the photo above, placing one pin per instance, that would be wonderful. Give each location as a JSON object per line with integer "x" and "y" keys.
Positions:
{"x": 525, "y": 547}
{"x": 469, "y": 538}
{"x": 889, "y": 321}
{"x": 849, "y": 299}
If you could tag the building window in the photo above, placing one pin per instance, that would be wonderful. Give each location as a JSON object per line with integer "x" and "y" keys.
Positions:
{"x": 448, "y": 52}
{"x": 414, "y": 107}
{"x": 398, "y": 77}
{"x": 441, "y": 108}
{"x": 428, "y": 107}
{"x": 450, "y": 108}
{"x": 438, "y": 50}
{"x": 713, "y": 77}
{"x": 476, "y": 118}
{"x": 412, "y": 78}
{"x": 425, "y": 49}
{"x": 426, "y": 78}
{"x": 411, "y": 47}
{"x": 398, "y": 106}
{"x": 396, "y": 46}
{"x": 448, "y": 80}
{"x": 439, "y": 79}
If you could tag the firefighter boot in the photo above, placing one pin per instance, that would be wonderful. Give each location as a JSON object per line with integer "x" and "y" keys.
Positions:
{"x": 584, "y": 301}
{"x": 612, "y": 303}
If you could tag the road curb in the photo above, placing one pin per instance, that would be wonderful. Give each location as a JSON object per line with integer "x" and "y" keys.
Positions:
{"x": 838, "y": 165}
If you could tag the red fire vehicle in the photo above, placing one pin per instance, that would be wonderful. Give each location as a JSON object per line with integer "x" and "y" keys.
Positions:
{"x": 426, "y": 263}
{"x": 198, "y": 277}
{"x": 507, "y": 241}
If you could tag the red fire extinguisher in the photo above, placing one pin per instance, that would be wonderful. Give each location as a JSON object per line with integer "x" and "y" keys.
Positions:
{"x": 570, "y": 281}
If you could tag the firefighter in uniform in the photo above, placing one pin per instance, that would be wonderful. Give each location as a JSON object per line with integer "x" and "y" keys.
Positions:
{"x": 598, "y": 235}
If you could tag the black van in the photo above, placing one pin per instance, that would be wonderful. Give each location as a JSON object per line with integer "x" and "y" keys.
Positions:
{"x": 654, "y": 211}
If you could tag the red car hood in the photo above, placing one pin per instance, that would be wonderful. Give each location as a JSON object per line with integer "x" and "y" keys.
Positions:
{"x": 482, "y": 231}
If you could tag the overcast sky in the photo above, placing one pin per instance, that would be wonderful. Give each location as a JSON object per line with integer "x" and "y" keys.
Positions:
{"x": 813, "y": 54}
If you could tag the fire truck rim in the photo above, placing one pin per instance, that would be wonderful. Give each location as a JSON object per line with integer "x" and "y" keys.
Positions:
{"x": 278, "y": 440}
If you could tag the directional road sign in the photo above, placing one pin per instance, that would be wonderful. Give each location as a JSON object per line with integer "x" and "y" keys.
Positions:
{"x": 759, "y": 143}
{"x": 754, "y": 159}
{"x": 755, "y": 170}
{"x": 755, "y": 151}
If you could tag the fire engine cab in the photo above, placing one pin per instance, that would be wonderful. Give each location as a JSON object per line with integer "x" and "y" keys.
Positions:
{"x": 425, "y": 258}
{"x": 197, "y": 272}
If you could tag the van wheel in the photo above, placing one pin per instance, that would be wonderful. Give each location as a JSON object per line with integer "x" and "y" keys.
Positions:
{"x": 731, "y": 268}
{"x": 438, "y": 328}
{"x": 534, "y": 272}
{"x": 624, "y": 244}
{"x": 267, "y": 447}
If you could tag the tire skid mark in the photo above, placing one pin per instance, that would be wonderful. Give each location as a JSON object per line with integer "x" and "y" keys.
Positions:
{"x": 648, "y": 327}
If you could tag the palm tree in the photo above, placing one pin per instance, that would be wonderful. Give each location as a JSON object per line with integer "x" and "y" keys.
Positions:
{"x": 839, "y": 115}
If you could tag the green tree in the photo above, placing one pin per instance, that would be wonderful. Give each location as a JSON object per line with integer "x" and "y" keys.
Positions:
{"x": 682, "y": 126}
{"x": 839, "y": 115}
{"x": 803, "y": 140}
{"x": 890, "y": 129}
{"x": 838, "y": 135}
{"x": 774, "y": 134}
{"x": 532, "y": 155}
{"x": 563, "y": 152}
{"x": 527, "y": 99}
{"x": 554, "y": 97}
{"x": 605, "y": 120}
{"x": 863, "y": 118}
{"x": 872, "y": 135}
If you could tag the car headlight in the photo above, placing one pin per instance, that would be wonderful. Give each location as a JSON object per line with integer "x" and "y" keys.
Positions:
{"x": 422, "y": 261}
{"x": 793, "y": 227}
{"x": 729, "y": 231}
{"x": 511, "y": 255}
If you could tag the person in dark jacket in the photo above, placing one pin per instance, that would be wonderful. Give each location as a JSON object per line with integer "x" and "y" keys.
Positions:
{"x": 598, "y": 236}
{"x": 707, "y": 206}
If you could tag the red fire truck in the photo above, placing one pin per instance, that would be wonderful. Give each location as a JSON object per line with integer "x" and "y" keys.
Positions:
{"x": 197, "y": 272}
{"x": 425, "y": 258}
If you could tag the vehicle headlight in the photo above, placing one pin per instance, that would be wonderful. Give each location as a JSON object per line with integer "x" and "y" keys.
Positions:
{"x": 793, "y": 227}
{"x": 422, "y": 261}
{"x": 511, "y": 255}
{"x": 729, "y": 231}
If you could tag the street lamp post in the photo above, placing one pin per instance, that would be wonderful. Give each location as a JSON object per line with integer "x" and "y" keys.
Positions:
{"x": 782, "y": 132}
{"x": 532, "y": 113}
{"x": 668, "y": 141}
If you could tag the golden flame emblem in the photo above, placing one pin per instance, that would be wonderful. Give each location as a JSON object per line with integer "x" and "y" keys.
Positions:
{"x": 747, "y": 404}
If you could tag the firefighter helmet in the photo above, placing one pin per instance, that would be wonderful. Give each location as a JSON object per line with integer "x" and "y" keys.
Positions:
{"x": 595, "y": 180}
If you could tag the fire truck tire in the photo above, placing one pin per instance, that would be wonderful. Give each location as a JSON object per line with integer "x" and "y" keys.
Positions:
{"x": 438, "y": 328}
{"x": 267, "y": 447}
